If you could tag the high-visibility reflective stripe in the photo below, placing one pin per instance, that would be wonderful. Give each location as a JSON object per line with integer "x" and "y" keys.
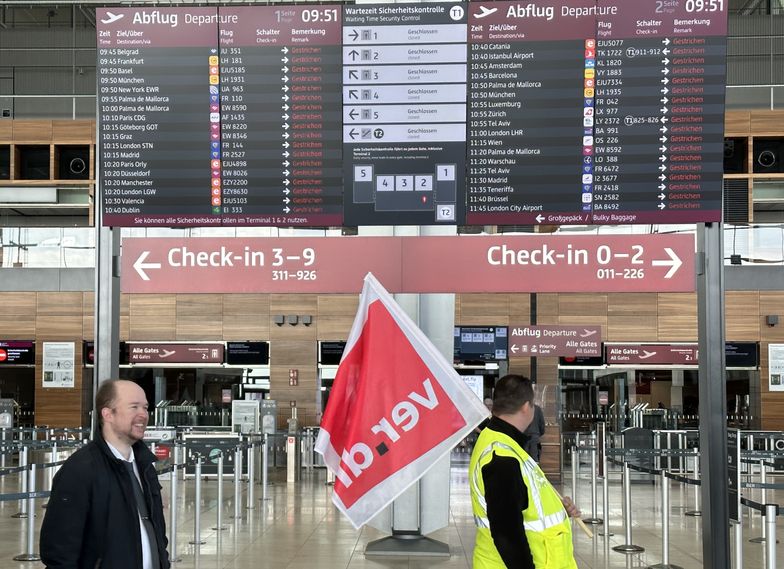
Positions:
{"x": 528, "y": 470}
{"x": 548, "y": 522}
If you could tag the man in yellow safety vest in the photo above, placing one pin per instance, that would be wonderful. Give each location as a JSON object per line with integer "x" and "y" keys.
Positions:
{"x": 521, "y": 520}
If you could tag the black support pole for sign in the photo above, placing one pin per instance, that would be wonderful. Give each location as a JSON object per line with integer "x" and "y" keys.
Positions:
{"x": 713, "y": 397}
{"x": 533, "y": 323}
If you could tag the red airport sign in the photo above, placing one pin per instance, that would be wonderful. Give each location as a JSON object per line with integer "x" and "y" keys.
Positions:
{"x": 651, "y": 354}
{"x": 518, "y": 263}
{"x": 566, "y": 341}
{"x": 151, "y": 353}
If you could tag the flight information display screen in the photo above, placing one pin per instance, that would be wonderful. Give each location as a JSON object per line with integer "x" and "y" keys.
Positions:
{"x": 596, "y": 112}
{"x": 481, "y": 113}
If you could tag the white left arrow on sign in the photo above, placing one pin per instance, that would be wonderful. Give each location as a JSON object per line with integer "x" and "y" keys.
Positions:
{"x": 674, "y": 262}
{"x": 140, "y": 266}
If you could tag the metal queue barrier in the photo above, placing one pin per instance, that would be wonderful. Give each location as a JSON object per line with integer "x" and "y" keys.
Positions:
{"x": 30, "y": 451}
{"x": 680, "y": 465}
{"x": 28, "y": 469}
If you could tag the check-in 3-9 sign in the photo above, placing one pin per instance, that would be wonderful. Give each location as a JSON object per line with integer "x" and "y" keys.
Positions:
{"x": 520, "y": 263}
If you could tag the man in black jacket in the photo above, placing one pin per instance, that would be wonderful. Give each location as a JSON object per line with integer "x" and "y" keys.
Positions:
{"x": 105, "y": 509}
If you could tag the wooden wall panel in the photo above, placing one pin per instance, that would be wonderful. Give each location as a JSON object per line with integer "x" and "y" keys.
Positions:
{"x": 771, "y": 303}
{"x": 333, "y": 328}
{"x": 199, "y": 317}
{"x": 741, "y": 316}
{"x": 59, "y": 315}
{"x": 520, "y": 308}
{"x": 483, "y": 310}
{"x": 766, "y": 122}
{"x": 337, "y": 304}
{"x": 520, "y": 366}
{"x": 293, "y": 354}
{"x": 125, "y": 316}
{"x": 293, "y": 304}
{"x": 300, "y": 355}
{"x": 32, "y": 131}
{"x": 88, "y": 315}
{"x": 737, "y": 123}
{"x": 58, "y": 407}
{"x": 578, "y": 304}
{"x": 336, "y": 314}
{"x": 153, "y": 317}
{"x": 246, "y": 317}
{"x": 546, "y": 304}
{"x": 632, "y": 304}
{"x": 677, "y": 317}
{"x": 628, "y": 328}
{"x": 18, "y": 316}
{"x": 772, "y": 410}
{"x": 73, "y": 132}
{"x": 6, "y": 132}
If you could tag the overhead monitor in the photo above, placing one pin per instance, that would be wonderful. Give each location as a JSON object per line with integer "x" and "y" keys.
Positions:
{"x": 480, "y": 344}
{"x": 247, "y": 353}
{"x": 331, "y": 352}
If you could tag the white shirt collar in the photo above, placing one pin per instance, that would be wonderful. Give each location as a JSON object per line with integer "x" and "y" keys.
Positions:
{"x": 119, "y": 455}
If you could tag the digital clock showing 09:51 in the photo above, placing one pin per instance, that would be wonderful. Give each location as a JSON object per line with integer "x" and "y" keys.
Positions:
{"x": 704, "y": 6}
{"x": 320, "y": 15}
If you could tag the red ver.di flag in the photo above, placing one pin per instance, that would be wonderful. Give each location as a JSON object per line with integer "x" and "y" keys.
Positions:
{"x": 396, "y": 407}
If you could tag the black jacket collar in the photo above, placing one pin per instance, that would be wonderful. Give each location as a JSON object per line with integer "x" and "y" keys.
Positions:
{"x": 501, "y": 426}
{"x": 141, "y": 453}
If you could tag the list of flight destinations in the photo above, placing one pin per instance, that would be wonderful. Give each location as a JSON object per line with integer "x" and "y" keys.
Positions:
{"x": 404, "y": 113}
{"x": 481, "y": 113}
{"x": 603, "y": 113}
{"x": 250, "y": 131}
{"x": 154, "y": 136}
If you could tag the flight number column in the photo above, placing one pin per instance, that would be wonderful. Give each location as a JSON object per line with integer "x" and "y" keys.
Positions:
{"x": 659, "y": 114}
{"x": 280, "y": 94}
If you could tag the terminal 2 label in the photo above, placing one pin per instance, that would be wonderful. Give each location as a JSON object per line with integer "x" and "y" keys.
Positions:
{"x": 454, "y": 264}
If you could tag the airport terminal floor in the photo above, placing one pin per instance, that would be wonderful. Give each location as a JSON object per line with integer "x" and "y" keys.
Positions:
{"x": 297, "y": 527}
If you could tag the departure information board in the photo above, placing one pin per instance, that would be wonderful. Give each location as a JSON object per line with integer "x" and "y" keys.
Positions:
{"x": 247, "y": 130}
{"x": 596, "y": 112}
{"x": 486, "y": 113}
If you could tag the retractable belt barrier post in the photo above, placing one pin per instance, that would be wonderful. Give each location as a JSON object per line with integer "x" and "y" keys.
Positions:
{"x": 665, "y": 523}
{"x": 264, "y": 466}
{"x": 763, "y": 500}
{"x": 22, "y": 513}
{"x": 173, "y": 507}
{"x": 197, "y": 541}
{"x": 696, "y": 512}
{"x": 593, "y": 520}
{"x": 771, "y": 510}
{"x": 251, "y": 475}
{"x": 30, "y": 555}
{"x": 237, "y": 489}
{"x": 629, "y": 546}
{"x": 3, "y": 431}
{"x": 575, "y": 460}
{"x": 606, "y": 496}
{"x": 219, "y": 521}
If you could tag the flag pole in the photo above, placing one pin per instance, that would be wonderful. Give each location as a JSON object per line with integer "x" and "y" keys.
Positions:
{"x": 579, "y": 521}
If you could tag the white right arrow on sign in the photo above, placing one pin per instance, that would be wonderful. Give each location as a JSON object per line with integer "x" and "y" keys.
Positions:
{"x": 674, "y": 262}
